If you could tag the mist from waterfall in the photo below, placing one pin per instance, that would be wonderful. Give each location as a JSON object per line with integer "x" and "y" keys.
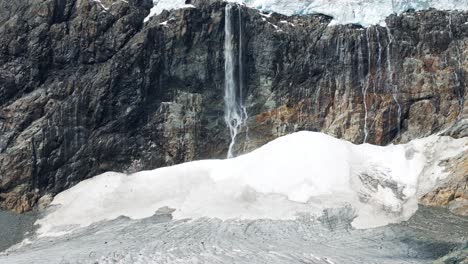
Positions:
{"x": 235, "y": 113}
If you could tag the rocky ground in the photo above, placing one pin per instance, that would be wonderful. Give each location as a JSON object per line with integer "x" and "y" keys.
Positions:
{"x": 87, "y": 87}
{"x": 453, "y": 192}
{"x": 15, "y": 227}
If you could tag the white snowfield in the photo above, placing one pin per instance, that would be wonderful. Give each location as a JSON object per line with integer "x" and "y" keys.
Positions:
{"x": 302, "y": 173}
{"x": 363, "y": 12}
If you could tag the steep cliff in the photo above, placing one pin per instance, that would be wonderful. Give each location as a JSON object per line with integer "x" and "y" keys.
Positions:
{"x": 87, "y": 87}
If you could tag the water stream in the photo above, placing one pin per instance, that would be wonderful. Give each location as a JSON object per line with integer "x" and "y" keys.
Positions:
{"x": 364, "y": 83}
{"x": 235, "y": 113}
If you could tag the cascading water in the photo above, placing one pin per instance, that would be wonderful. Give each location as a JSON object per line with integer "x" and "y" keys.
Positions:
{"x": 394, "y": 88}
{"x": 235, "y": 113}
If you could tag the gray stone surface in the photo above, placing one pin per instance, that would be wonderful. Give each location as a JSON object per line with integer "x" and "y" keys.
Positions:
{"x": 14, "y": 228}
{"x": 426, "y": 237}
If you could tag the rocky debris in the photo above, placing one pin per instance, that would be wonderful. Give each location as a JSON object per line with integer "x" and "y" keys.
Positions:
{"x": 14, "y": 228}
{"x": 456, "y": 257}
{"x": 459, "y": 129}
{"x": 20, "y": 199}
{"x": 87, "y": 87}
{"x": 453, "y": 193}
{"x": 44, "y": 201}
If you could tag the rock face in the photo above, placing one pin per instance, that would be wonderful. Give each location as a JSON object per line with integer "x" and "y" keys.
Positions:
{"x": 87, "y": 87}
{"x": 453, "y": 193}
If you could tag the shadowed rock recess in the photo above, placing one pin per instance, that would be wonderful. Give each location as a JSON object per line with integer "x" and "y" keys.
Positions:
{"x": 87, "y": 87}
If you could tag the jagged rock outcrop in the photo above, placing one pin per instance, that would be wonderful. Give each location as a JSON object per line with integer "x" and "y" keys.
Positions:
{"x": 87, "y": 87}
{"x": 453, "y": 193}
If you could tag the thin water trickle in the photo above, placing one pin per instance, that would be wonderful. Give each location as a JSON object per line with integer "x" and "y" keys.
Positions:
{"x": 394, "y": 88}
{"x": 363, "y": 83}
{"x": 459, "y": 87}
{"x": 366, "y": 87}
{"x": 379, "y": 60}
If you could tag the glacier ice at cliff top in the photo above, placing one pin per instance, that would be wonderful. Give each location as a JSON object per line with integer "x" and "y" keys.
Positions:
{"x": 364, "y": 12}
{"x": 302, "y": 173}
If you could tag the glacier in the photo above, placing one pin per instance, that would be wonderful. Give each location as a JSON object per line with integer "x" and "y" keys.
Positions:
{"x": 302, "y": 173}
{"x": 363, "y": 12}
{"x": 302, "y": 198}
{"x": 430, "y": 234}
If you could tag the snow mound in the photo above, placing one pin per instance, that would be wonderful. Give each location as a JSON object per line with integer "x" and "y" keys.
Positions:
{"x": 363, "y": 12}
{"x": 302, "y": 173}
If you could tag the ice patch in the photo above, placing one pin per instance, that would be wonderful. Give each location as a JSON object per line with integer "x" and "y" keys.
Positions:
{"x": 100, "y": 3}
{"x": 107, "y": 8}
{"x": 161, "y": 5}
{"x": 305, "y": 172}
{"x": 363, "y": 12}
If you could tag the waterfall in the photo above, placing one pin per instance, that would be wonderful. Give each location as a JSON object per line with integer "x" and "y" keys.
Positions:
{"x": 235, "y": 113}
{"x": 394, "y": 88}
